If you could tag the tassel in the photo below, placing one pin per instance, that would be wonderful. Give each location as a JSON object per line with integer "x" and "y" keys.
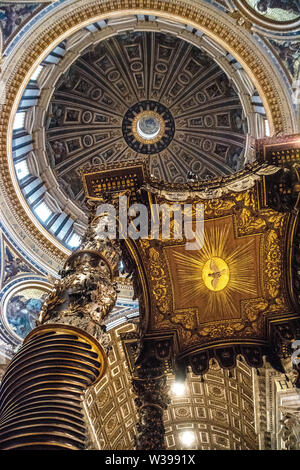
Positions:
{"x": 230, "y": 374}
{"x": 202, "y": 379}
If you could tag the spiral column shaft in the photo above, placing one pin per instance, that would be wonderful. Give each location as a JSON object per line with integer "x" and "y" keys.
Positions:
{"x": 42, "y": 389}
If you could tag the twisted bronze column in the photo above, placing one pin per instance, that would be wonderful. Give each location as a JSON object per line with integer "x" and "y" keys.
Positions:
{"x": 42, "y": 389}
{"x": 151, "y": 402}
{"x": 150, "y": 385}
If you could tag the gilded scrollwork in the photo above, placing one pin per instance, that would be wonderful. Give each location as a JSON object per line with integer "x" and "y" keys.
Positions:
{"x": 249, "y": 223}
{"x": 186, "y": 318}
{"x": 248, "y": 220}
{"x": 218, "y": 207}
{"x": 212, "y": 207}
{"x": 278, "y": 305}
{"x": 276, "y": 220}
{"x": 272, "y": 264}
{"x": 253, "y": 308}
{"x": 158, "y": 278}
{"x": 221, "y": 330}
{"x": 187, "y": 338}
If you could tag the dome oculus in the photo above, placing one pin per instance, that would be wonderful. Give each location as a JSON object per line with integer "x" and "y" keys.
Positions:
{"x": 148, "y": 127}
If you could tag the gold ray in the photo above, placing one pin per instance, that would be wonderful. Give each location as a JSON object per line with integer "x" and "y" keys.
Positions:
{"x": 241, "y": 275}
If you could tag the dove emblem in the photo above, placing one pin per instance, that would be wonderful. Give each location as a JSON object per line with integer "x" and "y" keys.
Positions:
{"x": 215, "y": 274}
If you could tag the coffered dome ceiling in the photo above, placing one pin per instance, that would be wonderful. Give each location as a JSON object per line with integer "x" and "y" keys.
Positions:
{"x": 145, "y": 95}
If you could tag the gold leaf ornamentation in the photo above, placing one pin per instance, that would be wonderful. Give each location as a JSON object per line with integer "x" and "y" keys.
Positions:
{"x": 273, "y": 263}
{"x": 278, "y": 305}
{"x": 222, "y": 330}
{"x": 186, "y": 317}
{"x": 249, "y": 223}
{"x": 277, "y": 220}
{"x": 159, "y": 280}
{"x": 218, "y": 207}
{"x": 253, "y": 308}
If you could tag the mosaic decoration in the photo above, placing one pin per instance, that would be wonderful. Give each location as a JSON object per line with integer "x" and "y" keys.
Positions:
{"x": 13, "y": 17}
{"x": 22, "y": 310}
{"x": 13, "y": 265}
{"x": 276, "y": 10}
{"x": 289, "y": 54}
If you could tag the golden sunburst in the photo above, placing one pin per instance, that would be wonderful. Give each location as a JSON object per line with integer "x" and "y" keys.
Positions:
{"x": 218, "y": 274}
